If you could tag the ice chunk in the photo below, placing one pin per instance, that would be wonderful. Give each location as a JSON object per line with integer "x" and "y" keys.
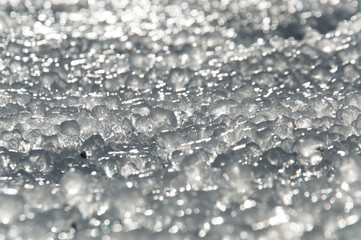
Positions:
{"x": 248, "y": 108}
{"x": 276, "y": 156}
{"x": 357, "y": 124}
{"x": 128, "y": 169}
{"x": 142, "y": 109}
{"x": 163, "y": 117}
{"x": 74, "y": 186}
{"x": 348, "y": 115}
{"x": 110, "y": 167}
{"x": 100, "y": 112}
{"x": 40, "y": 161}
{"x": 70, "y": 128}
{"x": 248, "y": 153}
{"x": 304, "y": 122}
{"x": 84, "y": 193}
{"x": 93, "y": 145}
{"x": 221, "y": 107}
{"x": 308, "y": 150}
{"x": 284, "y": 127}
{"x": 143, "y": 125}
{"x": 9, "y": 161}
{"x": 171, "y": 141}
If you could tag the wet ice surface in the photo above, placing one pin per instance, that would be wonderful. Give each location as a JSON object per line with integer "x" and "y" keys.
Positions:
{"x": 175, "y": 120}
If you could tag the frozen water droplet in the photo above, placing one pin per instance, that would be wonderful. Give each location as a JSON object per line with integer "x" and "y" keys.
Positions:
{"x": 304, "y": 122}
{"x": 163, "y": 117}
{"x": 110, "y": 167}
{"x": 357, "y": 124}
{"x": 9, "y": 161}
{"x": 142, "y": 109}
{"x": 221, "y": 107}
{"x": 321, "y": 107}
{"x": 248, "y": 108}
{"x": 309, "y": 150}
{"x": 276, "y": 156}
{"x": 100, "y": 112}
{"x": 70, "y": 128}
{"x": 348, "y": 115}
{"x": 284, "y": 127}
{"x": 129, "y": 169}
{"x": 40, "y": 161}
{"x": 93, "y": 145}
{"x": 171, "y": 141}
{"x": 73, "y": 185}
{"x": 144, "y": 125}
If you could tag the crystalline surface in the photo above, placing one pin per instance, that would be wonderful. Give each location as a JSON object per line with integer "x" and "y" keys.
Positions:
{"x": 163, "y": 119}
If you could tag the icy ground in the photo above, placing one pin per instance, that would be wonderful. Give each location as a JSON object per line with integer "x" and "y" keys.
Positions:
{"x": 169, "y": 119}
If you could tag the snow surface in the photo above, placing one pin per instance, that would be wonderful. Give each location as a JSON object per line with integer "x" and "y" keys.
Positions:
{"x": 166, "y": 119}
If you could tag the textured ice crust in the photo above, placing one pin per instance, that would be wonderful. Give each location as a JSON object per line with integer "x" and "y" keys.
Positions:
{"x": 164, "y": 119}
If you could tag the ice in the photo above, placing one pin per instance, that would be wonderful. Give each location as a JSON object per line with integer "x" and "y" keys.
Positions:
{"x": 357, "y": 124}
{"x": 308, "y": 150}
{"x": 74, "y": 186}
{"x": 180, "y": 120}
{"x": 221, "y": 107}
{"x": 43, "y": 199}
{"x": 162, "y": 118}
{"x": 93, "y": 145}
{"x": 110, "y": 168}
{"x": 83, "y": 193}
{"x": 40, "y": 161}
{"x": 142, "y": 109}
{"x": 11, "y": 206}
{"x": 70, "y": 128}
{"x": 276, "y": 156}
{"x": 127, "y": 203}
{"x": 238, "y": 177}
{"x": 284, "y": 127}
{"x": 128, "y": 169}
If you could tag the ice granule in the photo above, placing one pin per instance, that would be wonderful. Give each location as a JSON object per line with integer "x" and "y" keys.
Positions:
{"x": 155, "y": 119}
